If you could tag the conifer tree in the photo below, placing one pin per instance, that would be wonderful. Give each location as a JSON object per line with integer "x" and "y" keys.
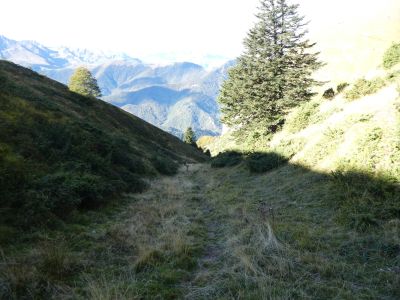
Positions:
{"x": 82, "y": 82}
{"x": 189, "y": 137}
{"x": 273, "y": 74}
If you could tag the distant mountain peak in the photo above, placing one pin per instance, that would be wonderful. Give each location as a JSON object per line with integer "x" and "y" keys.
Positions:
{"x": 171, "y": 96}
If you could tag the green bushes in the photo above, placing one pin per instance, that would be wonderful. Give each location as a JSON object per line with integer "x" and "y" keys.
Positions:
{"x": 392, "y": 56}
{"x": 60, "y": 151}
{"x": 50, "y": 166}
{"x": 363, "y": 87}
{"x": 329, "y": 94}
{"x": 263, "y": 162}
{"x": 226, "y": 159}
{"x": 341, "y": 87}
{"x": 165, "y": 165}
{"x": 256, "y": 162}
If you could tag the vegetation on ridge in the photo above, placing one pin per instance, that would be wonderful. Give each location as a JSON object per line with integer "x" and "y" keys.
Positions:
{"x": 60, "y": 151}
{"x": 392, "y": 56}
{"x": 363, "y": 87}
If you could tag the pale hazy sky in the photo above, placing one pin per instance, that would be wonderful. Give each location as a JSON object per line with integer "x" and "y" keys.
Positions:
{"x": 177, "y": 29}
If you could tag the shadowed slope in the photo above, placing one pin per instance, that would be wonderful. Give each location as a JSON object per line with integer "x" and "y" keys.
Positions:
{"x": 60, "y": 150}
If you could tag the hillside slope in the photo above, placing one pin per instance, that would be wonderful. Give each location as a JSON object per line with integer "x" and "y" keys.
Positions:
{"x": 60, "y": 151}
{"x": 310, "y": 126}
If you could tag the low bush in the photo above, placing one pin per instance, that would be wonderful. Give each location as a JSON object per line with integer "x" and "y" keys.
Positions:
{"x": 329, "y": 94}
{"x": 207, "y": 152}
{"x": 393, "y": 77}
{"x": 363, "y": 87}
{"x": 226, "y": 159}
{"x": 263, "y": 162}
{"x": 392, "y": 56}
{"x": 341, "y": 87}
{"x": 165, "y": 165}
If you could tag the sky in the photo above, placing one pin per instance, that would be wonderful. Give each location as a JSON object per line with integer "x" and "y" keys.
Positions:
{"x": 170, "y": 30}
{"x": 185, "y": 29}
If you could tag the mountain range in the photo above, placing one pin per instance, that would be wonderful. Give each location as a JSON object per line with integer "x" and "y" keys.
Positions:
{"x": 172, "y": 97}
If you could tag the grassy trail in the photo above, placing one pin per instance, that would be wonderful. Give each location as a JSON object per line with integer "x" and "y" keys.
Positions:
{"x": 209, "y": 261}
{"x": 210, "y": 234}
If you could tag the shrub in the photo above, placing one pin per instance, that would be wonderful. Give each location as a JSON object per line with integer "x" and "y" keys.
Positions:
{"x": 363, "y": 87}
{"x": 60, "y": 166}
{"x": 328, "y": 94}
{"x": 226, "y": 159}
{"x": 393, "y": 76}
{"x": 133, "y": 182}
{"x": 165, "y": 165}
{"x": 392, "y": 56}
{"x": 341, "y": 86}
{"x": 263, "y": 162}
{"x": 302, "y": 116}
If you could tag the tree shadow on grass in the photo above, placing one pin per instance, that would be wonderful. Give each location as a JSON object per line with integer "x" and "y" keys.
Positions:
{"x": 361, "y": 201}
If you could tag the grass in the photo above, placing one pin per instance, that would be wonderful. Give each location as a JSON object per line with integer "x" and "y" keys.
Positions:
{"x": 306, "y": 114}
{"x": 296, "y": 251}
{"x": 219, "y": 233}
{"x": 145, "y": 248}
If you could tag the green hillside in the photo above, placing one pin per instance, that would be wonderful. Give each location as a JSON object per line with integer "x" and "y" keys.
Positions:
{"x": 60, "y": 151}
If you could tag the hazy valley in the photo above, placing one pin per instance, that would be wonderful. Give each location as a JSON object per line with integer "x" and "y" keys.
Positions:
{"x": 160, "y": 95}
